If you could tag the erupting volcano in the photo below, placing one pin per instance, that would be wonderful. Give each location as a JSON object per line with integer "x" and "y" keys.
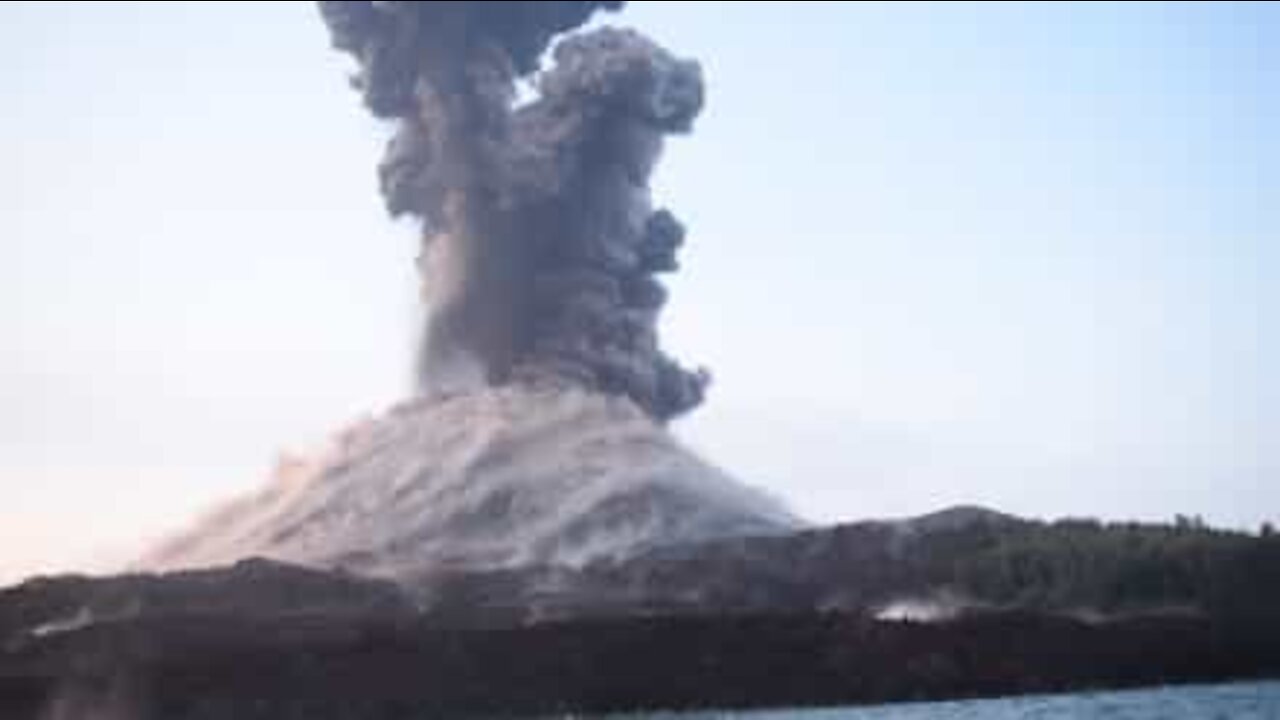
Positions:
{"x": 537, "y": 435}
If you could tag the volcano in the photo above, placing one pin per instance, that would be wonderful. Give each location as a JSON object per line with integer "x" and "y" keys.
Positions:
{"x": 537, "y": 431}
{"x": 506, "y": 477}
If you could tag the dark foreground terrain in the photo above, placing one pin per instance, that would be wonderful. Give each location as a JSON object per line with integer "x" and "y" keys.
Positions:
{"x": 742, "y": 623}
{"x": 301, "y": 666}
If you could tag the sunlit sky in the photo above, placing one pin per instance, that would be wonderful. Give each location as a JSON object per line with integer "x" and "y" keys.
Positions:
{"x": 1021, "y": 256}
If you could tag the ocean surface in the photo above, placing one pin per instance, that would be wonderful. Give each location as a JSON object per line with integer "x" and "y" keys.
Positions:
{"x": 1235, "y": 701}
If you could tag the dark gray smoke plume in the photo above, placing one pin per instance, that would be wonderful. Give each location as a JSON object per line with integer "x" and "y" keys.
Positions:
{"x": 540, "y": 244}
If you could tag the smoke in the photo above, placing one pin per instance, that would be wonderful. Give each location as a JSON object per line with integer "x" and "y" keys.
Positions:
{"x": 940, "y": 608}
{"x": 540, "y": 244}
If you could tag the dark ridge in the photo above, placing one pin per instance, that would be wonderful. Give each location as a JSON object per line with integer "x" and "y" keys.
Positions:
{"x": 748, "y": 622}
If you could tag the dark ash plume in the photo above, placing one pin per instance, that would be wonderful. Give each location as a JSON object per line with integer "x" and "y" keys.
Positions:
{"x": 540, "y": 245}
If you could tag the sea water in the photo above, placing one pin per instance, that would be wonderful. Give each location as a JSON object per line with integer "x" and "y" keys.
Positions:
{"x": 1234, "y": 701}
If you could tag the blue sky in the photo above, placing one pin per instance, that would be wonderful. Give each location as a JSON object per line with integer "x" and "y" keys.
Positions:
{"x": 1016, "y": 255}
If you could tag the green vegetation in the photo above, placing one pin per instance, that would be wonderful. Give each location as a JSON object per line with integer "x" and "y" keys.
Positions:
{"x": 1086, "y": 565}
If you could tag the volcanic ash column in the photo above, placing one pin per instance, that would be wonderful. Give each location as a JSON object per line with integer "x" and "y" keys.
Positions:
{"x": 538, "y": 435}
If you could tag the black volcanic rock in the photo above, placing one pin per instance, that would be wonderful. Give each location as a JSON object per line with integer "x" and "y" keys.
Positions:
{"x": 190, "y": 668}
{"x": 44, "y": 607}
{"x": 958, "y": 559}
{"x": 743, "y": 622}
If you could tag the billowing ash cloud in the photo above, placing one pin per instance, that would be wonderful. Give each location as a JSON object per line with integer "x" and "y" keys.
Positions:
{"x": 540, "y": 244}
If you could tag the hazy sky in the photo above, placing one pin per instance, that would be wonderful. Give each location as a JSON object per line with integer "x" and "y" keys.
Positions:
{"x": 1017, "y": 256}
